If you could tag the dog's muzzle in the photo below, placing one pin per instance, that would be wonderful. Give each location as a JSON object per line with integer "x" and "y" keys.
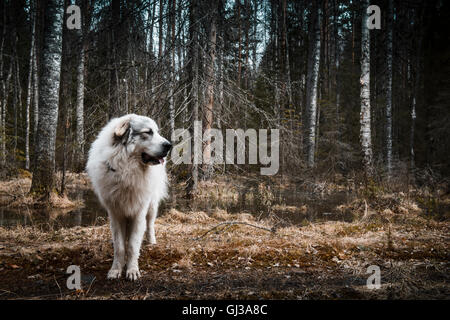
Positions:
{"x": 159, "y": 158}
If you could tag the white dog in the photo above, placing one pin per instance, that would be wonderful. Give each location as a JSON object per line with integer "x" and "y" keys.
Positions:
{"x": 127, "y": 169}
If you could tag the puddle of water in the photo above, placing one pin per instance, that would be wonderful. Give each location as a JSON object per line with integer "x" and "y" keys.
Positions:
{"x": 250, "y": 200}
{"x": 285, "y": 204}
{"x": 91, "y": 214}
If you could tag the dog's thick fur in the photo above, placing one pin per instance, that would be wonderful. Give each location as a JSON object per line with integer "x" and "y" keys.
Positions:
{"x": 127, "y": 169}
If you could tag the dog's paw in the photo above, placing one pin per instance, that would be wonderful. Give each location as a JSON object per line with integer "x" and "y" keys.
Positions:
{"x": 114, "y": 273}
{"x": 133, "y": 273}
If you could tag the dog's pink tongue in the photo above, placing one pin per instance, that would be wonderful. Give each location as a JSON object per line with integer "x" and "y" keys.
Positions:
{"x": 161, "y": 161}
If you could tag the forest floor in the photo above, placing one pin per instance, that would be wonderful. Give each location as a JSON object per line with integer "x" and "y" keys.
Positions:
{"x": 251, "y": 258}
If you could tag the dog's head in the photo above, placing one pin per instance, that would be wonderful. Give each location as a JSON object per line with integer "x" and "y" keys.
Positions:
{"x": 140, "y": 136}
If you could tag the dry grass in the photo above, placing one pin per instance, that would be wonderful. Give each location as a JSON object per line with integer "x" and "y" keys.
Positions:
{"x": 15, "y": 193}
{"x": 326, "y": 260}
{"x": 320, "y": 260}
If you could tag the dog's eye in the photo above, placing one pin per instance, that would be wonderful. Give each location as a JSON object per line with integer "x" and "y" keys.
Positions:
{"x": 146, "y": 134}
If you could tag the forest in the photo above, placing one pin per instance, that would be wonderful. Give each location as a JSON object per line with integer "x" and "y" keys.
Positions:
{"x": 358, "y": 93}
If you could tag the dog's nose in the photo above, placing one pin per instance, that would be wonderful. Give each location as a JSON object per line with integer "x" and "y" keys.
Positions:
{"x": 167, "y": 146}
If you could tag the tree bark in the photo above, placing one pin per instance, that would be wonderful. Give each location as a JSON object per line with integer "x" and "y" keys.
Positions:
{"x": 312, "y": 81}
{"x": 286, "y": 64}
{"x": 160, "y": 42}
{"x": 194, "y": 103}
{"x": 172, "y": 67}
{"x": 3, "y": 88}
{"x": 81, "y": 73}
{"x": 365, "y": 121}
{"x": 43, "y": 173}
{"x": 210, "y": 79}
{"x": 389, "y": 88}
{"x": 17, "y": 101}
{"x": 239, "y": 56}
{"x": 337, "y": 53}
{"x": 114, "y": 99}
{"x": 36, "y": 93}
{"x": 29, "y": 87}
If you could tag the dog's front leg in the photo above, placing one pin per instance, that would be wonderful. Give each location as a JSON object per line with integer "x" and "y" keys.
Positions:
{"x": 118, "y": 230}
{"x": 137, "y": 230}
{"x": 151, "y": 217}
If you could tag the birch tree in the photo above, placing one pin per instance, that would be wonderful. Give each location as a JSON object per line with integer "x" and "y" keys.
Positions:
{"x": 312, "y": 81}
{"x": 43, "y": 173}
{"x": 365, "y": 131}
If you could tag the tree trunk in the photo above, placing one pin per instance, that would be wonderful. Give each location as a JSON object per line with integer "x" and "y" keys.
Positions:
{"x": 3, "y": 88}
{"x": 43, "y": 173}
{"x": 36, "y": 93}
{"x": 286, "y": 64}
{"x": 337, "y": 53}
{"x": 17, "y": 101}
{"x": 29, "y": 88}
{"x": 365, "y": 132}
{"x": 160, "y": 42}
{"x": 149, "y": 59}
{"x": 210, "y": 79}
{"x": 172, "y": 68}
{"x": 220, "y": 64}
{"x": 312, "y": 81}
{"x": 238, "y": 80}
{"x": 81, "y": 73}
{"x": 389, "y": 88}
{"x": 416, "y": 88}
{"x": 80, "y": 109}
{"x": 114, "y": 99}
{"x": 193, "y": 70}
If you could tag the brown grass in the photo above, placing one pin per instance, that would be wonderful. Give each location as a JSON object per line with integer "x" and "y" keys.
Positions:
{"x": 308, "y": 262}
{"x": 15, "y": 193}
{"x": 318, "y": 260}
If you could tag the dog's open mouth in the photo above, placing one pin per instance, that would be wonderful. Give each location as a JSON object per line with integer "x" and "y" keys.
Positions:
{"x": 148, "y": 159}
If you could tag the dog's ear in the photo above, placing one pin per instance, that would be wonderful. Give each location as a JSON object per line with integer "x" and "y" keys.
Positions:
{"x": 122, "y": 129}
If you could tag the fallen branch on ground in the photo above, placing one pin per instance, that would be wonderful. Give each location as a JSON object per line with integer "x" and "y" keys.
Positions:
{"x": 230, "y": 223}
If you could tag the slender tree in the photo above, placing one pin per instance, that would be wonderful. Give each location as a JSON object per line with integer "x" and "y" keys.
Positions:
{"x": 194, "y": 83}
{"x": 4, "y": 88}
{"x": 390, "y": 31}
{"x": 172, "y": 22}
{"x": 365, "y": 132}
{"x": 36, "y": 92}
{"x": 210, "y": 79}
{"x": 114, "y": 99}
{"x": 312, "y": 81}
{"x": 29, "y": 86}
{"x": 81, "y": 73}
